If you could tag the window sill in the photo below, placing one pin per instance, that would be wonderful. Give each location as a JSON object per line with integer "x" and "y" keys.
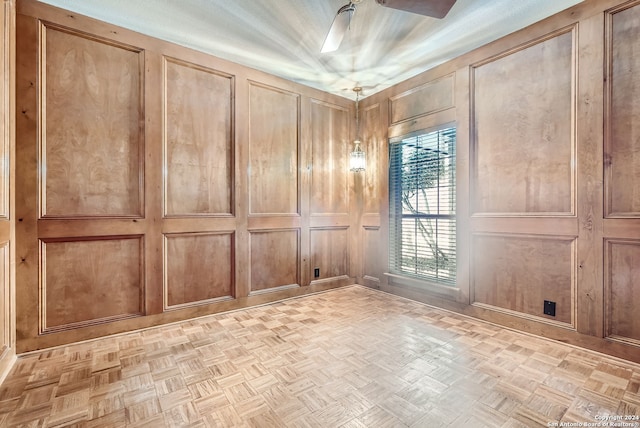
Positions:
{"x": 450, "y": 292}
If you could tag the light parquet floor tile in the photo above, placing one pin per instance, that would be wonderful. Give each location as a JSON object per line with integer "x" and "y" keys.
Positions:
{"x": 351, "y": 357}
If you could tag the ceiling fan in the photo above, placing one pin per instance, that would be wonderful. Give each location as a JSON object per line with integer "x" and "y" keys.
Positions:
{"x": 340, "y": 25}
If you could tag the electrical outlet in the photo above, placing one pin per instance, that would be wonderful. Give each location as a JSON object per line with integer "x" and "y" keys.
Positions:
{"x": 316, "y": 273}
{"x": 550, "y": 308}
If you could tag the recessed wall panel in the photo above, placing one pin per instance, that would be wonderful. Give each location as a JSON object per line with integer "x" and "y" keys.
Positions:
{"x": 274, "y": 259}
{"x": 8, "y": 35}
{"x": 198, "y": 140}
{"x": 371, "y": 243}
{"x": 5, "y": 299}
{"x": 90, "y": 281}
{"x": 92, "y": 127}
{"x": 330, "y": 252}
{"x": 622, "y": 151}
{"x": 523, "y": 115}
{"x": 622, "y": 295}
{"x": 330, "y": 146}
{"x": 518, "y": 273}
{"x": 372, "y": 146}
{"x": 198, "y": 268}
{"x": 273, "y": 151}
{"x": 428, "y": 98}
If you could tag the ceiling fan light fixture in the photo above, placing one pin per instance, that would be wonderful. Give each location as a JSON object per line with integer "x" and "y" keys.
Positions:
{"x": 339, "y": 27}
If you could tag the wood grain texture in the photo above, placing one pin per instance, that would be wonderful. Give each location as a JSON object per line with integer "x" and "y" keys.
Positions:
{"x": 330, "y": 252}
{"x": 26, "y": 172}
{"x": 373, "y": 265}
{"x": 6, "y": 306}
{"x": 524, "y": 101}
{"x": 519, "y": 273}
{"x": 199, "y": 135}
{"x": 463, "y": 185}
{"x": 373, "y": 142}
{"x": 92, "y": 136}
{"x": 523, "y": 130}
{"x": 198, "y": 268}
{"x": 590, "y": 207}
{"x": 352, "y": 357}
{"x": 7, "y": 187}
{"x": 275, "y": 259}
{"x": 176, "y": 86}
{"x": 153, "y": 184}
{"x": 273, "y": 150}
{"x": 329, "y": 150}
{"x": 622, "y": 151}
{"x": 90, "y": 281}
{"x": 584, "y": 223}
{"x": 623, "y": 289}
{"x": 428, "y": 98}
{"x": 6, "y": 70}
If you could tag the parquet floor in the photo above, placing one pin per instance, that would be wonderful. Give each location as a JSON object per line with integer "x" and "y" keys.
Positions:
{"x": 351, "y": 357}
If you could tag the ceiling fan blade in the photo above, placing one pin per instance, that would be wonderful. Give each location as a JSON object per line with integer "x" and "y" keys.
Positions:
{"x": 433, "y": 8}
{"x": 338, "y": 28}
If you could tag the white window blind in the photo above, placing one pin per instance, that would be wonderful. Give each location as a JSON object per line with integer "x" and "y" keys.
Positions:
{"x": 422, "y": 192}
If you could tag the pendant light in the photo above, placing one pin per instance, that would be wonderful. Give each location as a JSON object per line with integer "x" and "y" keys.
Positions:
{"x": 357, "y": 159}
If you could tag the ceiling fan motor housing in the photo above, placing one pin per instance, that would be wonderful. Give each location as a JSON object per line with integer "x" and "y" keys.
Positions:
{"x": 342, "y": 21}
{"x": 433, "y": 8}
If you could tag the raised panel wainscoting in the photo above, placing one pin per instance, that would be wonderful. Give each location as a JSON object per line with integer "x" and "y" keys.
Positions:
{"x": 547, "y": 123}
{"x": 146, "y": 183}
{"x": 158, "y": 183}
{"x": 7, "y": 188}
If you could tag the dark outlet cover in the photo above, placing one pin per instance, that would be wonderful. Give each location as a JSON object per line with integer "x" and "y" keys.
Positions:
{"x": 550, "y": 308}
{"x": 316, "y": 273}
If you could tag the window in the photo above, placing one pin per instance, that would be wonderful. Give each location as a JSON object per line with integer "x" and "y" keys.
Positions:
{"x": 422, "y": 214}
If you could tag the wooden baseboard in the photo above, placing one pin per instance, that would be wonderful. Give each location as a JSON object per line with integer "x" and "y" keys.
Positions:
{"x": 7, "y": 361}
{"x": 615, "y": 348}
{"x": 82, "y": 334}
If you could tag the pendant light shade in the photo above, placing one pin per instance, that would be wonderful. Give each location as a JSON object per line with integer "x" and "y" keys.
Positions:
{"x": 357, "y": 158}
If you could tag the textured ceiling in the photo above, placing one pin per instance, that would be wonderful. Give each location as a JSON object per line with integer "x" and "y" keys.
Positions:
{"x": 283, "y": 37}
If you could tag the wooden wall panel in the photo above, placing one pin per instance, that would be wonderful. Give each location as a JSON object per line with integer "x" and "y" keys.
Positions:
{"x": 330, "y": 146}
{"x": 330, "y": 252}
{"x": 520, "y": 93}
{"x": 27, "y": 246}
{"x": 92, "y": 126}
{"x": 428, "y": 98}
{"x": 622, "y": 151}
{"x": 373, "y": 265}
{"x": 622, "y": 295}
{"x": 193, "y": 155}
{"x": 523, "y": 117}
{"x": 518, "y": 273}
{"x": 90, "y": 281}
{"x": 199, "y": 268}
{"x": 198, "y": 109}
{"x": 275, "y": 259}
{"x": 589, "y": 187}
{"x": 372, "y": 144}
{"x": 5, "y": 301}
{"x": 7, "y": 187}
{"x": 541, "y": 187}
{"x": 5, "y": 106}
{"x": 273, "y": 150}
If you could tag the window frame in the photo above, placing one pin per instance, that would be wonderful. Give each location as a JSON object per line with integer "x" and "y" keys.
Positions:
{"x": 396, "y": 275}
